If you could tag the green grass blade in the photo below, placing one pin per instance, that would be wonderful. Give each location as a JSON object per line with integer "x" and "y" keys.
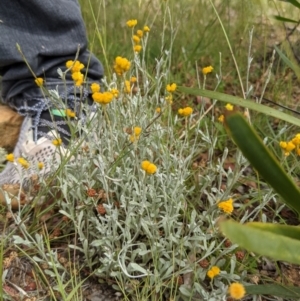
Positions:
{"x": 283, "y": 19}
{"x": 274, "y": 290}
{"x": 243, "y": 103}
{"x": 261, "y": 241}
{"x": 294, "y": 2}
{"x": 262, "y": 160}
{"x": 288, "y": 62}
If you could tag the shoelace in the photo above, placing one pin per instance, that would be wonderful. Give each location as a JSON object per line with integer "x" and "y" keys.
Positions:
{"x": 43, "y": 120}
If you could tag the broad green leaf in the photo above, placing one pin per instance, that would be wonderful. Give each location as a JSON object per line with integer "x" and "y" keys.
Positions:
{"x": 285, "y": 230}
{"x": 261, "y": 159}
{"x": 263, "y": 242}
{"x": 250, "y": 104}
{"x": 283, "y": 19}
{"x": 274, "y": 290}
{"x": 288, "y": 62}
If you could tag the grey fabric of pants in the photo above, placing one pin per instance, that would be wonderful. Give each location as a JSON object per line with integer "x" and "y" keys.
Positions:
{"x": 48, "y": 32}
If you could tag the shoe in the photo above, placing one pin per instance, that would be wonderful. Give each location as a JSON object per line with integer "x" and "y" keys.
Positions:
{"x": 42, "y": 143}
{"x": 32, "y": 158}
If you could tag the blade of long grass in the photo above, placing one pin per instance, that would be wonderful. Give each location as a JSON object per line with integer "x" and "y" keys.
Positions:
{"x": 241, "y": 102}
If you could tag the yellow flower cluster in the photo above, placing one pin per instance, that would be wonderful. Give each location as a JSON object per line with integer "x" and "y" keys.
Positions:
{"x": 187, "y": 111}
{"x": 121, "y": 65}
{"x": 169, "y": 99}
{"x": 10, "y": 157}
{"x": 207, "y": 70}
{"x": 171, "y": 88}
{"x": 226, "y": 206}
{"x": 114, "y": 92}
{"x": 149, "y": 167}
{"x": 95, "y": 87}
{"x": 213, "y": 272}
{"x": 39, "y": 81}
{"x": 57, "y": 142}
{"x": 70, "y": 113}
{"x": 40, "y": 165}
{"x": 221, "y": 118}
{"x": 136, "y": 134}
{"x": 133, "y": 79}
{"x": 76, "y": 68}
{"x": 131, "y": 23}
{"x": 229, "y": 107}
{"x": 146, "y": 28}
{"x": 23, "y": 162}
{"x": 103, "y": 98}
{"x": 127, "y": 87}
{"x": 236, "y": 291}
{"x": 293, "y": 144}
{"x": 136, "y": 38}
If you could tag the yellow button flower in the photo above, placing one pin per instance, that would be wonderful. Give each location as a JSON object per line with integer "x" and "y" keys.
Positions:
{"x": 229, "y": 107}
{"x": 137, "y": 48}
{"x": 131, "y": 23}
{"x": 171, "y": 88}
{"x": 10, "y": 157}
{"x": 78, "y": 78}
{"x": 127, "y": 87}
{"x": 290, "y": 146}
{"x": 146, "y": 28}
{"x": 137, "y": 130}
{"x": 69, "y": 64}
{"x": 114, "y": 92}
{"x": 136, "y": 39}
{"x": 187, "y": 111}
{"x": 103, "y": 98}
{"x": 207, "y": 70}
{"x": 57, "y": 142}
{"x": 140, "y": 33}
{"x": 226, "y": 206}
{"x": 23, "y": 162}
{"x": 148, "y": 167}
{"x": 236, "y": 291}
{"x": 169, "y": 99}
{"x": 39, "y": 81}
{"x": 213, "y": 272}
{"x": 95, "y": 87}
{"x": 70, "y": 113}
{"x": 76, "y": 66}
{"x": 221, "y": 118}
{"x": 121, "y": 65}
{"x": 136, "y": 134}
{"x": 40, "y": 165}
